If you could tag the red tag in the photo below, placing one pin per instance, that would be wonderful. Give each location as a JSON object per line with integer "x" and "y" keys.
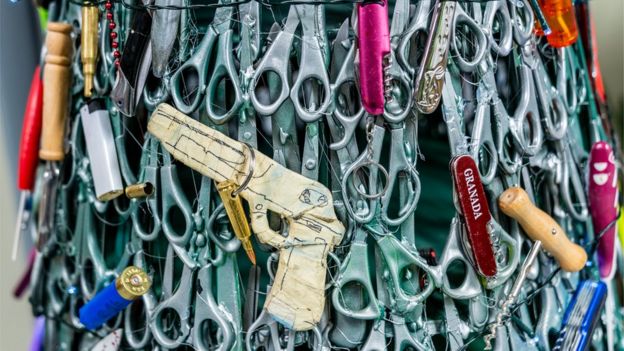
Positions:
{"x": 476, "y": 212}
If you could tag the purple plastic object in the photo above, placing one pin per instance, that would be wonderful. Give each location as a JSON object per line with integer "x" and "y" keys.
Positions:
{"x": 603, "y": 204}
{"x": 36, "y": 342}
{"x": 373, "y": 46}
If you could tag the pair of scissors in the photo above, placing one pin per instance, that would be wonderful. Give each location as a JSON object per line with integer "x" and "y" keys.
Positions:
{"x": 146, "y": 218}
{"x": 171, "y": 319}
{"x": 312, "y": 65}
{"x": 140, "y": 336}
{"x": 347, "y": 110}
{"x": 224, "y": 71}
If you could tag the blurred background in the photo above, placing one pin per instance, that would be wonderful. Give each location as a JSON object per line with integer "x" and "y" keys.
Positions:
{"x": 20, "y": 42}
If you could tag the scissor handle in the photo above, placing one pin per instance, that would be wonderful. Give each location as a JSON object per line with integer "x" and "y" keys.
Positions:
{"x": 148, "y": 207}
{"x": 207, "y": 309}
{"x": 177, "y": 303}
{"x": 498, "y": 10}
{"x": 198, "y": 64}
{"x": 400, "y": 164}
{"x": 572, "y": 176}
{"x": 484, "y": 146}
{"x": 173, "y": 196}
{"x": 139, "y": 336}
{"x": 398, "y": 260}
{"x": 224, "y": 246}
{"x": 552, "y": 110}
{"x": 390, "y": 115}
{"x": 527, "y": 113}
{"x": 346, "y": 77}
{"x": 505, "y": 243}
{"x": 225, "y": 70}
{"x": 523, "y": 30}
{"x": 464, "y": 64}
{"x": 275, "y": 60}
{"x": 453, "y": 252}
{"x": 312, "y": 68}
{"x": 354, "y": 273}
{"x": 153, "y": 98}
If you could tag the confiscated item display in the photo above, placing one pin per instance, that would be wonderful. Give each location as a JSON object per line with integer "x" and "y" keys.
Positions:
{"x": 321, "y": 175}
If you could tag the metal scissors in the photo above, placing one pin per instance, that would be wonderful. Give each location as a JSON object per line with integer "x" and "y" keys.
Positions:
{"x": 312, "y": 66}
{"x": 347, "y": 110}
{"x": 207, "y": 310}
{"x": 552, "y": 110}
{"x": 173, "y": 197}
{"x": 139, "y": 336}
{"x": 146, "y": 217}
{"x": 173, "y": 306}
{"x": 204, "y": 229}
{"x": 400, "y": 105}
{"x": 200, "y": 63}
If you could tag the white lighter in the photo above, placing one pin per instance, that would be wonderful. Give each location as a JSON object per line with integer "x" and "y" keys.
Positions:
{"x": 101, "y": 150}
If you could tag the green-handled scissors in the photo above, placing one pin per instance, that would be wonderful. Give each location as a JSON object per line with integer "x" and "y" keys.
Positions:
{"x": 224, "y": 70}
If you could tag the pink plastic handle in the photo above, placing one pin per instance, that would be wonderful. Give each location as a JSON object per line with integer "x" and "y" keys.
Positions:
{"x": 603, "y": 203}
{"x": 373, "y": 45}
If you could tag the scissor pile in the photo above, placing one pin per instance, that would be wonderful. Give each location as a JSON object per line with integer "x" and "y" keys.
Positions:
{"x": 158, "y": 117}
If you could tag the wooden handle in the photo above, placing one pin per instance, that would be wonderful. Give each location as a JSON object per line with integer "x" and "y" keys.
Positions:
{"x": 538, "y": 225}
{"x": 56, "y": 82}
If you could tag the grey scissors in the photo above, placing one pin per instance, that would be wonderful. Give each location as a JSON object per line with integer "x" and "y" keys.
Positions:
{"x": 146, "y": 217}
{"x": 139, "y": 336}
{"x": 311, "y": 67}
{"x": 224, "y": 71}
{"x": 347, "y": 111}
{"x": 178, "y": 303}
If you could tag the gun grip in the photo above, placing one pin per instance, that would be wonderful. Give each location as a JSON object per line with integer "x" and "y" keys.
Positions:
{"x": 297, "y": 296}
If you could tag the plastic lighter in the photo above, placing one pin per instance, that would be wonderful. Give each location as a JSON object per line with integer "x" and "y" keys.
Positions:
{"x": 373, "y": 39}
{"x": 559, "y": 15}
{"x": 603, "y": 203}
{"x": 101, "y": 150}
{"x": 130, "y": 285}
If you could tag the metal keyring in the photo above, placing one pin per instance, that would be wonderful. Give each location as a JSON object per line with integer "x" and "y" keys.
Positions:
{"x": 252, "y": 165}
{"x": 381, "y": 168}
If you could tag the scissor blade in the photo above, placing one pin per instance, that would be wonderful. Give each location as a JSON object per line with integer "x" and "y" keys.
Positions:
{"x": 339, "y": 52}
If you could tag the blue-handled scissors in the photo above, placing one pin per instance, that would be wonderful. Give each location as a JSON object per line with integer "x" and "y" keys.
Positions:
{"x": 224, "y": 70}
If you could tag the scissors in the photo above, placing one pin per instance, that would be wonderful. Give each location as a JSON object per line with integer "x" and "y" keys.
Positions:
{"x": 139, "y": 336}
{"x": 173, "y": 197}
{"x": 145, "y": 215}
{"x": 347, "y": 109}
{"x": 200, "y": 63}
{"x": 399, "y": 106}
{"x": 166, "y": 331}
{"x": 205, "y": 229}
{"x": 248, "y": 50}
{"x": 311, "y": 67}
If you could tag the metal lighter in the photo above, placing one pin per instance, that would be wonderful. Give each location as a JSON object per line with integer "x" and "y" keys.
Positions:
{"x": 130, "y": 285}
{"x": 101, "y": 150}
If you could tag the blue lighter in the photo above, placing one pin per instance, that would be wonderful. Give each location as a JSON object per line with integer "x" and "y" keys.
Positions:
{"x": 130, "y": 285}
